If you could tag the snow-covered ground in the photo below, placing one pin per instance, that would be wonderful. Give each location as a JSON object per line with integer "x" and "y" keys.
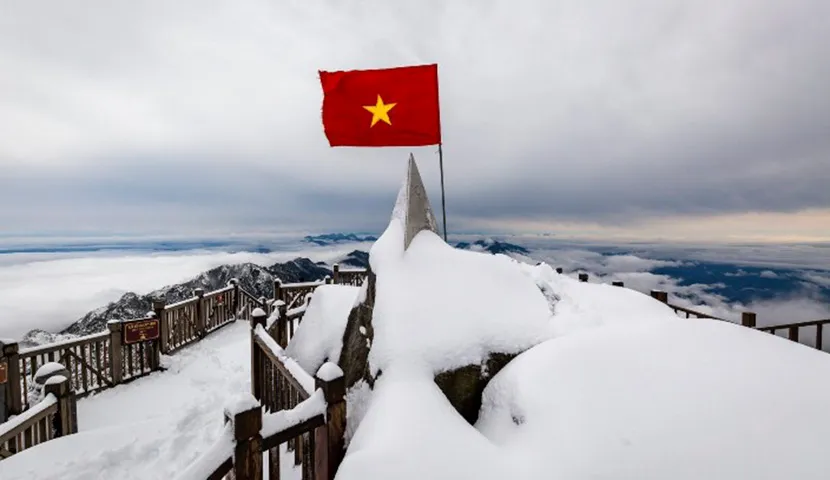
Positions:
{"x": 151, "y": 428}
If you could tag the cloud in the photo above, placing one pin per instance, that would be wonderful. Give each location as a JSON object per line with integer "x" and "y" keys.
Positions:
{"x": 51, "y": 291}
{"x": 152, "y": 116}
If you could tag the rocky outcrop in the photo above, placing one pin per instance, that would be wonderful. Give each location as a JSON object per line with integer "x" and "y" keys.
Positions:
{"x": 464, "y": 386}
{"x": 358, "y": 338}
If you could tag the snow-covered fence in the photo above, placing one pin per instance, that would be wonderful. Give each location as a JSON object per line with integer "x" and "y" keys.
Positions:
{"x": 190, "y": 320}
{"x": 793, "y": 331}
{"x": 102, "y": 360}
{"x": 295, "y": 294}
{"x": 53, "y": 416}
{"x": 352, "y": 277}
{"x": 249, "y": 448}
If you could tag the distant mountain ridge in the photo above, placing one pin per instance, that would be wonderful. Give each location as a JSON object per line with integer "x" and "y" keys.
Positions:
{"x": 335, "y": 238}
{"x": 493, "y": 246}
{"x": 254, "y": 278}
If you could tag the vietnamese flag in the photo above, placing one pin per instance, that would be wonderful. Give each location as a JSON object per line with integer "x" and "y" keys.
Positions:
{"x": 390, "y": 107}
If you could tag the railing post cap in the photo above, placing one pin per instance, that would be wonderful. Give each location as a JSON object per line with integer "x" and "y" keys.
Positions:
{"x": 151, "y": 314}
{"x": 8, "y": 346}
{"x": 234, "y": 281}
{"x": 330, "y": 380}
{"x": 114, "y": 325}
{"x": 159, "y": 303}
{"x": 336, "y": 266}
{"x": 57, "y": 385}
{"x": 258, "y": 313}
{"x": 246, "y": 416}
{"x": 199, "y": 292}
{"x": 278, "y": 281}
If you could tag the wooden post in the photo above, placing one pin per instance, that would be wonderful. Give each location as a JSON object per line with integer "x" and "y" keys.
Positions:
{"x": 258, "y": 317}
{"x": 660, "y": 295}
{"x": 66, "y": 420}
{"x": 247, "y": 454}
{"x": 328, "y": 439}
{"x": 618, "y": 284}
{"x": 335, "y": 273}
{"x": 13, "y": 398}
{"x": 201, "y": 325}
{"x": 282, "y": 325}
{"x": 235, "y": 302}
{"x": 278, "y": 291}
{"x": 748, "y": 319}
{"x": 116, "y": 352}
{"x": 155, "y": 347}
{"x": 559, "y": 270}
{"x": 164, "y": 325}
{"x": 327, "y": 280}
{"x": 583, "y": 277}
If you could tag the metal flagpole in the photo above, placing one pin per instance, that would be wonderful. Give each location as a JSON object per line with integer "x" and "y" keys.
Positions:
{"x": 443, "y": 201}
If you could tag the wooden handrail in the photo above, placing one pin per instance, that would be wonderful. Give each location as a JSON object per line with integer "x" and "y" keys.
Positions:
{"x": 54, "y": 347}
{"x": 810, "y": 323}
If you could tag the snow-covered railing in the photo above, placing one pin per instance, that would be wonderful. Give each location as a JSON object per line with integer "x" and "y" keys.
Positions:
{"x": 352, "y": 277}
{"x": 188, "y": 321}
{"x": 53, "y": 416}
{"x": 793, "y": 330}
{"x": 127, "y": 349}
{"x": 250, "y": 444}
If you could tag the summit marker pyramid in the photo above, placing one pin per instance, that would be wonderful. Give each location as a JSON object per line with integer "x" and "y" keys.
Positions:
{"x": 412, "y": 206}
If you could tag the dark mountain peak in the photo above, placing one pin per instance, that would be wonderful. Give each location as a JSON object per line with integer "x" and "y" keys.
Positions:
{"x": 493, "y": 246}
{"x": 334, "y": 238}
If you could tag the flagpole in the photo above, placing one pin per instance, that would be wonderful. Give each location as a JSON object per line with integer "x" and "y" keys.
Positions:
{"x": 443, "y": 201}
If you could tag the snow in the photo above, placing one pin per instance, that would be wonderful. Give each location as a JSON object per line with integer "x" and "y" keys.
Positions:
{"x": 49, "y": 368}
{"x": 319, "y": 337}
{"x": 55, "y": 380}
{"x": 276, "y": 422}
{"x": 329, "y": 372}
{"x": 299, "y": 374}
{"x": 443, "y": 308}
{"x": 258, "y": 312}
{"x": 24, "y": 417}
{"x": 683, "y": 399}
{"x": 153, "y": 427}
{"x": 241, "y": 402}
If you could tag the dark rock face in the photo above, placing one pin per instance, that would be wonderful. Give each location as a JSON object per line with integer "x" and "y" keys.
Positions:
{"x": 356, "y": 259}
{"x": 464, "y": 386}
{"x": 358, "y": 338}
{"x": 493, "y": 246}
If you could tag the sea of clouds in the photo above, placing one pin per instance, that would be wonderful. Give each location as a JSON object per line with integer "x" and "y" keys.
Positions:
{"x": 50, "y": 291}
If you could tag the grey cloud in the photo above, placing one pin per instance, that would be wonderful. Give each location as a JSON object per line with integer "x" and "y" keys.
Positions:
{"x": 596, "y": 111}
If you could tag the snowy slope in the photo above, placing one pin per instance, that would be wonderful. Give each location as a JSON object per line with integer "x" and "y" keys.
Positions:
{"x": 616, "y": 386}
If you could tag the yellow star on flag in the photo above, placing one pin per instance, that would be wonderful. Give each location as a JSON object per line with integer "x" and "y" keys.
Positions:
{"x": 380, "y": 111}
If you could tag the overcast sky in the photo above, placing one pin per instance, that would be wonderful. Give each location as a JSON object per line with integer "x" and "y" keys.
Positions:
{"x": 689, "y": 119}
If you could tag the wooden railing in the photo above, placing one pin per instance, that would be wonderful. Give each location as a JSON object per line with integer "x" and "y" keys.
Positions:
{"x": 295, "y": 294}
{"x": 102, "y": 360}
{"x": 288, "y": 406}
{"x": 53, "y": 416}
{"x": 748, "y": 319}
{"x": 352, "y": 277}
{"x": 793, "y": 330}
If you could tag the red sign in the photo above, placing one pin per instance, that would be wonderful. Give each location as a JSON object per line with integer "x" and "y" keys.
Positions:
{"x": 4, "y": 373}
{"x": 141, "y": 330}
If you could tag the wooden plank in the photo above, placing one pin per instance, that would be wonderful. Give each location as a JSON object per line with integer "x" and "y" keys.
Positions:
{"x": 293, "y": 432}
{"x": 282, "y": 368}
{"x": 223, "y": 470}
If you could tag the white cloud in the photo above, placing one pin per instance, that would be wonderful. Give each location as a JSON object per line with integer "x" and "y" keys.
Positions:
{"x": 50, "y": 291}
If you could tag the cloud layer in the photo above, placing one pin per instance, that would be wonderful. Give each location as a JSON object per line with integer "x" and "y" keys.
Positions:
{"x": 155, "y": 116}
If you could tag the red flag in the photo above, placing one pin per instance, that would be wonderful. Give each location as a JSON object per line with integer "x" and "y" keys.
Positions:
{"x": 390, "y": 107}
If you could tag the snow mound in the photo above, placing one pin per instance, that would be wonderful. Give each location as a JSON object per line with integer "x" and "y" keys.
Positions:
{"x": 320, "y": 335}
{"x": 443, "y": 308}
{"x": 685, "y": 399}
